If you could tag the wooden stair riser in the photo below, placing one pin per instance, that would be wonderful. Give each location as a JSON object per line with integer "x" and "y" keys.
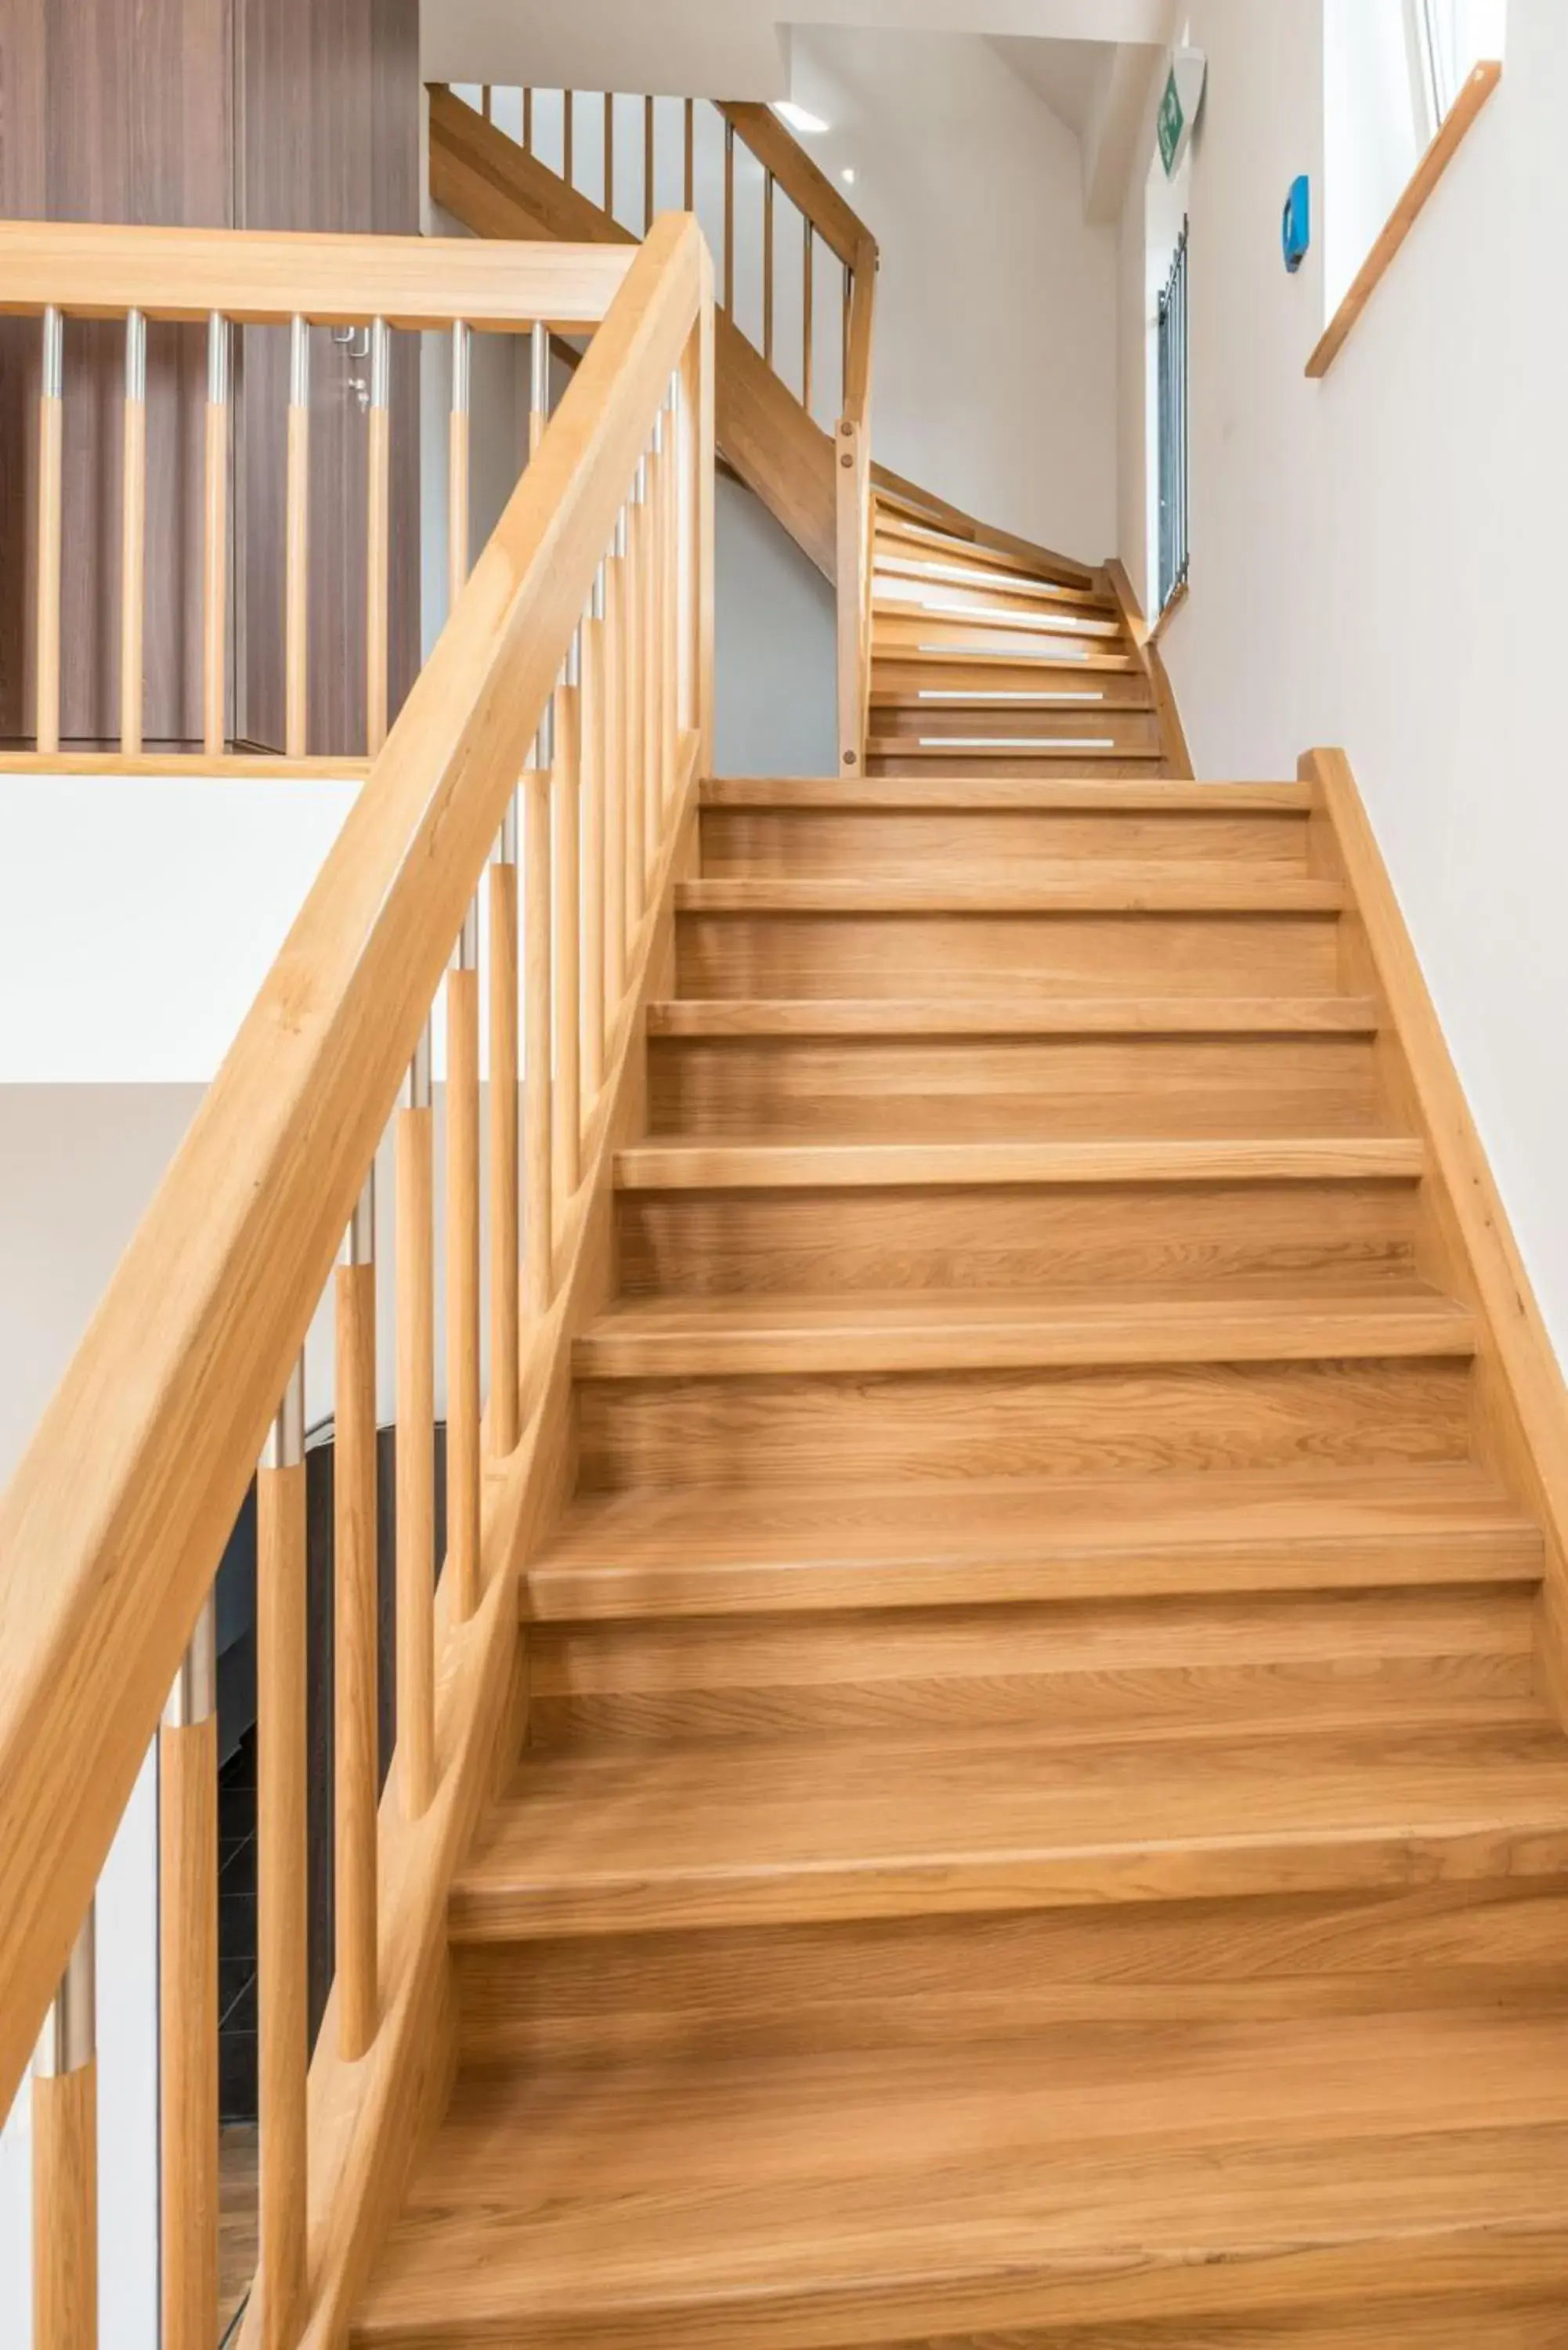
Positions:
{"x": 1149, "y": 1668}
{"x": 909, "y": 536}
{"x": 1041, "y": 764}
{"x": 1317, "y": 1235}
{"x": 860, "y": 844}
{"x": 1011, "y": 1087}
{"x": 1020, "y": 693}
{"x": 1021, "y": 637}
{"x": 776, "y": 1991}
{"x": 935, "y": 1426}
{"x": 987, "y": 954}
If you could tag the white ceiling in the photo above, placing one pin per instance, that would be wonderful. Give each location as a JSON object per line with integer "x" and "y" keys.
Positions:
{"x": 1063, "y": 73}
{"x": 728, "y": 48}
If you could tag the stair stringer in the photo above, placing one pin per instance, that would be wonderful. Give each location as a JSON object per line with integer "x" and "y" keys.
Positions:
{"x": 1520, "y": 1407}
{"x": 496, "y": 189}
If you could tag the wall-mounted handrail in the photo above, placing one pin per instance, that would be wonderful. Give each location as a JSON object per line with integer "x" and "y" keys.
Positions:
{"x": 112, "y": 1525}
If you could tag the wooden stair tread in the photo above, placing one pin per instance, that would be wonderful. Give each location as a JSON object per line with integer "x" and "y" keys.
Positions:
{"x": 894, "y": 651}
{"x": 1152, "y": 1158}
{"x": 707, "y": 1550}
{"x": 602, "y": 1841}
{"x": 865, "y": 2196}
{"x": 778, "y": 1335}
{"x": 895, "y": 573}
{"x": 1163, "y": 1015}
{"x": 1155, "y": 795}
{"x": 1087, "y": 885}
{"x": 892, "y": 533}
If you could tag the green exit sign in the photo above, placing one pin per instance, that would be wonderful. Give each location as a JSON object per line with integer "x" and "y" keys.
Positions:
{"x": 1172, "y": 123}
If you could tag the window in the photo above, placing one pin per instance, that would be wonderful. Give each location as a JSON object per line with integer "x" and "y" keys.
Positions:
{"x": 1171, "y": 398}
{"x": 1400, "y": 77}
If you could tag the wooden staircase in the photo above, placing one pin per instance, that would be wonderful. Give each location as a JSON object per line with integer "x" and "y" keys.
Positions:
{"x": 991, "y": 658}
{"x": 1034, "y": 1815}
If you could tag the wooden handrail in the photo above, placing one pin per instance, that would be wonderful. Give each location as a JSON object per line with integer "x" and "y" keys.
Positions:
{"x": 265, "y": 278}
{"x": 111, "y": 1525}
{"x": 806, "y": 185}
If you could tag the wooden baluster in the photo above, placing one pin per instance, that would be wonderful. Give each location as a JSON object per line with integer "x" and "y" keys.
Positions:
{"x": 484, "y": 103}
{"x": 591, "y": 709}
{"x": 457, "y": 465}
{"x": 647, "y": 165}
{"x": 652, "y": 714}
{"x": 505, "y": 1355}
{"x": 133, "y": 534}
{"x": 51, "y": 435}
{"x": 283, "y": 1934}
{"x": 538, "y": 385}
{"x": 808, "y": 290}
{"x": 697, "y": 558}
{"x": 567, "y": 990}
{"x": 215, "y": 544}
{"x": 65, "y": 2161}
{"x": 768, "y": 267}
{"x": 634, "y": 751}
{"x": 690, "y": 181}
{"x": 527, "y": 123}
{"x": 568, "y": 123}
{"x": 462, "y": 1275}
{"x": 414, "y": 1151}
{"x": 844, "y": 347}
{"x": 609, "y": 154}
{"x": 538, "y": 1250}
{"x": 354, "y": 1705}
{"x": 729, "y": 220}
{"x": 296, "y": 543}
{"x": 188, "y": 1995}
{"x": 378, "y": 546}
{"x": 615, "y": 780}
{"x": 669, "y": 603}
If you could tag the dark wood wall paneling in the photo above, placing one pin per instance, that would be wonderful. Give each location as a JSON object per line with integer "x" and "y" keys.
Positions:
{"x": 260, "y": 113}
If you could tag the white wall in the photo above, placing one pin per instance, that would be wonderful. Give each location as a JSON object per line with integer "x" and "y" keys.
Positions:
{"x": 775, "y": 652}
{"x": 995, "y": 361}
{"x": 1376, "y": 556}
{"x": 143, "y": 916}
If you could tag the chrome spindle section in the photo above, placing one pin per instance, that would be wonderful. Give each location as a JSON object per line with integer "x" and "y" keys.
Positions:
{"x": 215, "y": 543}
{"x": 462, "y": 1269}
{"x": 65, "y": 2159}
{"x": 538, "y": 385}
{"x": 295, "y": 543}
{"x": 133, "y": 534}
{"x": 187, "y": 1993}
{"x": 503, "y": 1426}
{"x": 51, "y": 437}
{"x": 378, "y": 542}
{"x": 282, "y": 1870}
{"x": 458, "y": 462}
{"x": 354, "y": 1644}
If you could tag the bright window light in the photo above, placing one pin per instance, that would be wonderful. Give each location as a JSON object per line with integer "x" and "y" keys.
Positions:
{"x": 799, "y": 118}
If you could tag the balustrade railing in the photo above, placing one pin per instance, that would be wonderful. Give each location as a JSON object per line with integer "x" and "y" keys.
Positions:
{"x": 570, "y": 688}
{"x": 782, "y": 231}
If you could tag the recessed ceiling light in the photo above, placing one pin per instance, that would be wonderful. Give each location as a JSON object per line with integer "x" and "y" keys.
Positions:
{"x": 799, "y": 118}
{"x": 848, "y": 175}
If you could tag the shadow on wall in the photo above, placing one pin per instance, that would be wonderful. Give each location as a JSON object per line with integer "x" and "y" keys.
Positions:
{"x": 775, "y": 653}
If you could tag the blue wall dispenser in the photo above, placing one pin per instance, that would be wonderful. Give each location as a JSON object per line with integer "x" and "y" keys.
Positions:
{"x": 1296, "y": 228}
